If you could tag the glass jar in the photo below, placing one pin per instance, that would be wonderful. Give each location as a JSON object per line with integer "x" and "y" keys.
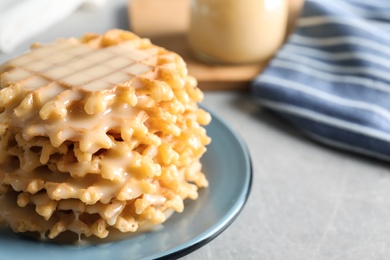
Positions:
{"x": 237, "y": 31}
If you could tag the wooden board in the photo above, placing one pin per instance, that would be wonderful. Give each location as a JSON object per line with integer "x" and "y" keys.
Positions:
{"x": 165, "y": 23}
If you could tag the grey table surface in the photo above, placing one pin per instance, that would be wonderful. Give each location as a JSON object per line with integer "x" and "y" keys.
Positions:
{"x": 308, "y": 201}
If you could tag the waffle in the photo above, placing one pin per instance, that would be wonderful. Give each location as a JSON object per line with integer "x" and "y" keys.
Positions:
{"x": 97, "y": 134}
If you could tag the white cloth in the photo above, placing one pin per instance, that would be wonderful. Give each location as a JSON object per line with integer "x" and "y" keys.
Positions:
{"x": 22, "y": 19}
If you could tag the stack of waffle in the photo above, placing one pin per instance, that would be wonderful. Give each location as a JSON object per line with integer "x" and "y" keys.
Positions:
{"x": 98, "y": 134}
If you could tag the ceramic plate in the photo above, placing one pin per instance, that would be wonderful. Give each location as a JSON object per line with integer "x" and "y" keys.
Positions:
{"x": 228, "y": 168}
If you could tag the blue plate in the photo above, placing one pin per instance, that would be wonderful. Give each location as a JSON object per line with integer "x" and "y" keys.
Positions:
{"x": 227, "y": 165}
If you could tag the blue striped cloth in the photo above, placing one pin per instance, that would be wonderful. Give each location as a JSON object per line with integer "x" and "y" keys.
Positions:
{"x": 332, "y": 77}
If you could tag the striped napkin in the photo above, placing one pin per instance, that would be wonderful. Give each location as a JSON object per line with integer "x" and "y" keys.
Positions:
{"x": 332, "y": 77}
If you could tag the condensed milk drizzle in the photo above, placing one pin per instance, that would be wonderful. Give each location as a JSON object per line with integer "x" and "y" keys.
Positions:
{"x": 60, "y": 74}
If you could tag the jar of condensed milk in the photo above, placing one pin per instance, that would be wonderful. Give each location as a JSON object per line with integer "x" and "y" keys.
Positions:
{"x": 237, "y": 31}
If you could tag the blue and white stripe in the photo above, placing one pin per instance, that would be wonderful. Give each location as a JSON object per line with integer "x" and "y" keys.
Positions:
{"x": 332, "y": 77}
